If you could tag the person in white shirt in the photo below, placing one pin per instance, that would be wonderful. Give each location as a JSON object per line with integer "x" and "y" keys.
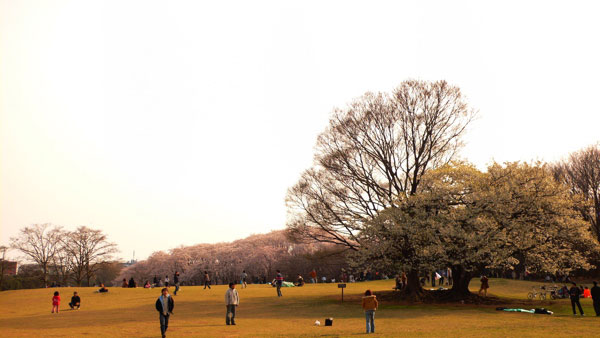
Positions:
{"x": 232, "y": 300}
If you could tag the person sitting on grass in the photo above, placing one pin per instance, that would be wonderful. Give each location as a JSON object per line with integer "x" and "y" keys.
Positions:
{"x": 75, "y": 301}
{"x": 147, "y": 285}
{"x": 300, "y": 281}
{"x": 124, "y": 284}
{"x": 102, "y": 289}
{"x": 398, "y": 283}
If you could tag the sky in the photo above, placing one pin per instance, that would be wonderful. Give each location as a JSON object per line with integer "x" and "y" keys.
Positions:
{"x": 169, "y": 123}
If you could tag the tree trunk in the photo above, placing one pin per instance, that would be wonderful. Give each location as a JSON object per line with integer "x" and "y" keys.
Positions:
{"x": 45, "y": 274}
{"x": 460, "y": 282}
{"x": 413, "y": 290}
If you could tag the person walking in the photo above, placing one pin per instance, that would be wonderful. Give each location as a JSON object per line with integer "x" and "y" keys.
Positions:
{"x": 484, "y": 285}
{"x": 55, "y": 301}
{"x": 232, "y": 300}
{"x": 167, "y": 281}
{"x": 164, "y": 306}
{"x": 596, "y": 298}
{"x": 206, "y": 280}
{"x": 370, "y": 304}
{"x": 279, "y": 283}
{"x": 75, "y": 301}
{"x": 243, "y": 280}
{"x": 176, "y": 281}
{"x": 575, "y": 294}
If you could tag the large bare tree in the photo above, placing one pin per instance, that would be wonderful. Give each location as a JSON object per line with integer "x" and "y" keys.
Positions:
{"x": 88, "y": 248}
{"x": 581, "y": 173}
{"x": 39, "y": 243}
{"x": 374, "y": 151}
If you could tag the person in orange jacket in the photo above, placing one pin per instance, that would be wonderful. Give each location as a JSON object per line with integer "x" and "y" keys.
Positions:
{"x": 369, "y": 304}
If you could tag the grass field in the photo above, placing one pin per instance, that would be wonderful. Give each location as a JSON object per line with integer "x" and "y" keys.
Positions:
{"x": 198, "y": 312}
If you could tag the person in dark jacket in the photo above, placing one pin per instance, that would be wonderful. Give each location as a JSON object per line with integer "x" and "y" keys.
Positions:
{"x": 75, "y": 301}
{"x": 155, "y": 281}
{"x": 131, "y": 283}
{"x": 176, "y": 281}
{"x": 164, "y": 306}
{"x": 206, "y": 280}
{"x": 575, "y": 294}
{"x": 596, "y": 298}
{"x": 279, "y": 283}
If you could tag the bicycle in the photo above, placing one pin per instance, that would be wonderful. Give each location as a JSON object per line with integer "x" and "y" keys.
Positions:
{"x": 534, "y": 293}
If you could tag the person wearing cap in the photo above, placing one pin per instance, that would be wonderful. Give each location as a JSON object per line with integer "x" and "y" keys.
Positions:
{"x": 596, "y": 298}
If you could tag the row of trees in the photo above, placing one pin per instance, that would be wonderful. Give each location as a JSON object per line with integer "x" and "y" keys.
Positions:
{"x": 384, "y": 186}
{"x": 581, "y": 174}
{"x": 259, "y": 255}
{"x": 75, "y": 256}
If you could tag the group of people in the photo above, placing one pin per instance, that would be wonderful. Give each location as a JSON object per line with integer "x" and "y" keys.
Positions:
{"x": 156, "y": 282}
{"x": 575, "y": 293}
{"x": 75, "y": 303}
{"x": 165, "y": 303}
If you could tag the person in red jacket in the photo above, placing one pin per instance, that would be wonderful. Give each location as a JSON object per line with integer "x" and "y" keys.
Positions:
{"x": 55, "y": 301}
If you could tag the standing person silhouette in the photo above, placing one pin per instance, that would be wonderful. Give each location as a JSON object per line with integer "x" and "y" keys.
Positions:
{"x": 279, "y": 283}
{"x": 206, "y": 280}
{"x": 575, "y": 293}
{"x": 176, "y": 281}
{"x": 243, "y": 279}
{"x": 596, "y": 298}
{"x": 484, "y": 285}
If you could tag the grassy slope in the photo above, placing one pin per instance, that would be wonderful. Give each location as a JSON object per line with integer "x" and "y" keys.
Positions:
{"x": 198, "y": 312}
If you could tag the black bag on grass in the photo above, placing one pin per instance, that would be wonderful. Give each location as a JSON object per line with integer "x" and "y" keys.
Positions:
{"x": 328, "y": 321}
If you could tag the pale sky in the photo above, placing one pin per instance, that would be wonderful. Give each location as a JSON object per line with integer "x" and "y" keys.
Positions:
{"x": 168, "y": 123}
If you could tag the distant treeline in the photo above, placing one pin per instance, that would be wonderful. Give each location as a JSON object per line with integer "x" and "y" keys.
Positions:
{"x": 259, "y": 255}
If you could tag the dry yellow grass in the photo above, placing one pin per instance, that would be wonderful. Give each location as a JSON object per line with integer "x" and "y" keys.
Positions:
{"x": 198, "y": 312}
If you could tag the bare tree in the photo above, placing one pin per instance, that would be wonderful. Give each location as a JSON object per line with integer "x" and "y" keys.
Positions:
{"x": 62, "y": 262}
{"x": 39, "y": 243}
{"x": 374, "y": 151}
{"x": 581, "y": 173}
{"x": 88, "y": 249}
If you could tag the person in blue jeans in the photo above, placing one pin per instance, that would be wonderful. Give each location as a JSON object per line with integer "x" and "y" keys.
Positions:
{"x": 164, "y": 306}
{"x": 369, "y": 304}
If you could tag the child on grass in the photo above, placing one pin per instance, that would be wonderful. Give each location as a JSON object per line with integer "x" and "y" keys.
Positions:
{"x": 55, "y": 302}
